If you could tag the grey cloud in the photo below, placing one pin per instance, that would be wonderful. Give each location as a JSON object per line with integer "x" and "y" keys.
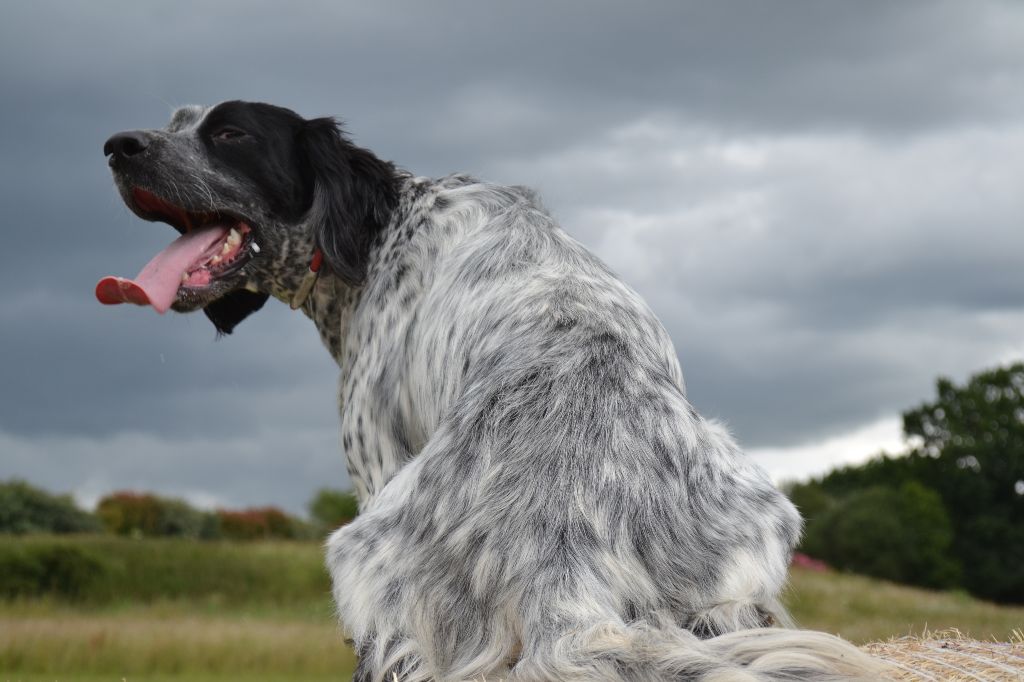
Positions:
{"x": 812, "y": 281}
{"x": 73, "y": 367}
{"x": 819, "y": 199}
{"x": 254, "y": 467}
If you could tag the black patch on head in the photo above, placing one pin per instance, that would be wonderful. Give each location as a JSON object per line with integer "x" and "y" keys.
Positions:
{"x": 260, "y": 142}
{"x": 301, "y": 168}
{"x": 354, "y": 194}
{"x": 228, "y": 310}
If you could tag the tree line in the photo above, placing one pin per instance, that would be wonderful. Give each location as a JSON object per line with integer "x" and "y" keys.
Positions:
{"x": 950, "y": 513}
{"x": 25, "y": 509}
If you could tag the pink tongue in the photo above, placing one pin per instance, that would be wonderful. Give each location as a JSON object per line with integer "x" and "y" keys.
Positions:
{"x": 157, "y": 284}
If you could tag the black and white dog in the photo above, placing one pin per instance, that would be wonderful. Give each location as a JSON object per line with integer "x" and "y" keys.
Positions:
{"x": 539, "y": 500}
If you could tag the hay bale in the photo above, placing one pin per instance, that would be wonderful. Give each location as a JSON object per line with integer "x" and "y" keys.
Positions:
{"x": 950, "y": 656}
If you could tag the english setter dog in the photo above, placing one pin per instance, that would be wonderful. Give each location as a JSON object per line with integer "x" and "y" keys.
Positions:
{"x": 539, "y": 500}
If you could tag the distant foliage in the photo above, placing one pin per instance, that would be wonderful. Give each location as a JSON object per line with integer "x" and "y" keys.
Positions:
{"x": 261, "y": 523}
{"x": 901, "y": 534}
{"x": 111, "y": 569}
{"x": 62, "y": 570}
{"x": 973, "y": 455}
{"x": 969, "y": 462}
{"x": 145, "y": 514}
{"x": 331, "y": 509}
{"x": 27, "y": 509}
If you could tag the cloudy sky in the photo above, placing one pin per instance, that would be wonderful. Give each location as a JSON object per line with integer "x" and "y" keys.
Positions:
{"x": 822, "y": 200}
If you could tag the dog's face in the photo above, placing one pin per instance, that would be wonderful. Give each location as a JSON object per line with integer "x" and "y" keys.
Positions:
{"x": 254, "y": 190}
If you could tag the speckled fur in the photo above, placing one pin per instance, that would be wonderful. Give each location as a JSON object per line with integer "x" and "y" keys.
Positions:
{"x": 539, "y": 500}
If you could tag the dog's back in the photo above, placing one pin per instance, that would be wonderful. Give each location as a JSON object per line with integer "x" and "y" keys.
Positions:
{"x": 556, "y": 508}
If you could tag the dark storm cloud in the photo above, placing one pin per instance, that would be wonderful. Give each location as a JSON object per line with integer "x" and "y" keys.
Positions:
{"x": 168, "y": 379}
{"x": 812, "y": 281}
{"x": 820, "y": 199}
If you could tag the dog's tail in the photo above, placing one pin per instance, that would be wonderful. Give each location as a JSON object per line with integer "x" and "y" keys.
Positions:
{"x": 663, "y": 651}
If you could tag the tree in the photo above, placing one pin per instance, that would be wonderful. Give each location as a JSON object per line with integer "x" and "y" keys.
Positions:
{"x": 969, "y": 449}
{"x": 27, "y": 509}
{"x": 902, "y": 534}
{"x": 331, "y": 509}
{"x": 261, "y": 523}
{"x": 129, "y": 513}
{"x": 972, "y": 439}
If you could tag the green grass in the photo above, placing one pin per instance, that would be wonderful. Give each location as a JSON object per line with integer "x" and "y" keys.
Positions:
{"x": 123, "y": 569}
{"x": 864, "y": 609}
{"x": 179, "y": 609}
{"x": 68, "y": 643}
{"x": 261, "y": 612}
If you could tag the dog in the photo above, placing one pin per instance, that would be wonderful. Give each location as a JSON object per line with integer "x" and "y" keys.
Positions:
{"x": 538, "y": 498}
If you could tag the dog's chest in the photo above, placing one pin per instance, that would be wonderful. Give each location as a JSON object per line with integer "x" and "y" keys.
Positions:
{"x": 374, "y": 334}
{"x": 381, "y": 427}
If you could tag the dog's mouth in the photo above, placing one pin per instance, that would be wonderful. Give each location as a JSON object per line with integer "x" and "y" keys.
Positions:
{"x": 213, "y": 247}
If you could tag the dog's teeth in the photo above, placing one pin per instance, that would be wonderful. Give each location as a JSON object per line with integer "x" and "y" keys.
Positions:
{"x": 184, "y": 278}
{"x": 234, "y": 238}
{"x": 216, "y": 259}
{"x": 255, "y": 247}
{"x": 226, "y": 248}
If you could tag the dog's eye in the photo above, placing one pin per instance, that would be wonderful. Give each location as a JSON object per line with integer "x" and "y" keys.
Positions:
{"x": 228, "y": 134}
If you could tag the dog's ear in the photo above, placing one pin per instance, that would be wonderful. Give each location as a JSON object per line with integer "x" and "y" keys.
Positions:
{"x": 228, "y": 310}
{"x": 354, "y": 194}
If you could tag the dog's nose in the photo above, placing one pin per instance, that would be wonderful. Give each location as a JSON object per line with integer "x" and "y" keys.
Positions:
{"x": 128, "y": 143}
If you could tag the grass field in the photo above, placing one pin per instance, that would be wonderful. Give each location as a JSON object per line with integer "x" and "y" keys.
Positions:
{"x": 275, "y": 624}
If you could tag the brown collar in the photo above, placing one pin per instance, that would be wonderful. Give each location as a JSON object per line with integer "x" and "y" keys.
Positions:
{"x": 308, "y": 281}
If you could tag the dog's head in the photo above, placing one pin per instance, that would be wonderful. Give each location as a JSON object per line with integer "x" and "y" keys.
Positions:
{"x": 255, "y": 190}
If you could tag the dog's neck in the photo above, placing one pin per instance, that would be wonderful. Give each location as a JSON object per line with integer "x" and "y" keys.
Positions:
{"x": 331, "y": 301}
{"x": 283, "y": 277}
{"x": 330, "y": 305}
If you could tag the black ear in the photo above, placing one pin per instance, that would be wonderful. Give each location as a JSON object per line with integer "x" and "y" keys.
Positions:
{"x": 228, "y": 310}
{"x": 354, "y": 194}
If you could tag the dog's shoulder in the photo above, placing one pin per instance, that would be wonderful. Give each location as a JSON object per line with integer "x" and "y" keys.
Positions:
{"x": 458, "y": 214}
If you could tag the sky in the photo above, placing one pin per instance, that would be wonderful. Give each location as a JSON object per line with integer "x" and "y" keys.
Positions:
{"x": 821, "y": 200}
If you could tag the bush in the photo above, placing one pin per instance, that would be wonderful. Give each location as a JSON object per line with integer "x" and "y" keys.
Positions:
{"x": 109, "y": 569}
{"x": 972, "y": 452}
{"x": 899, "y": 534}
{"x": 969, "y": 449}
{"x": 809, "y": 498}
{"x": 331, "y": 509}
{"x": 30, "y": 570}
{"x": 26, "y": 509}
{"x": 146, "y": 515}
{"x": 128, "y": 513}
{"x": 992, "y": 550}
{"x": 261, "y": 523}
